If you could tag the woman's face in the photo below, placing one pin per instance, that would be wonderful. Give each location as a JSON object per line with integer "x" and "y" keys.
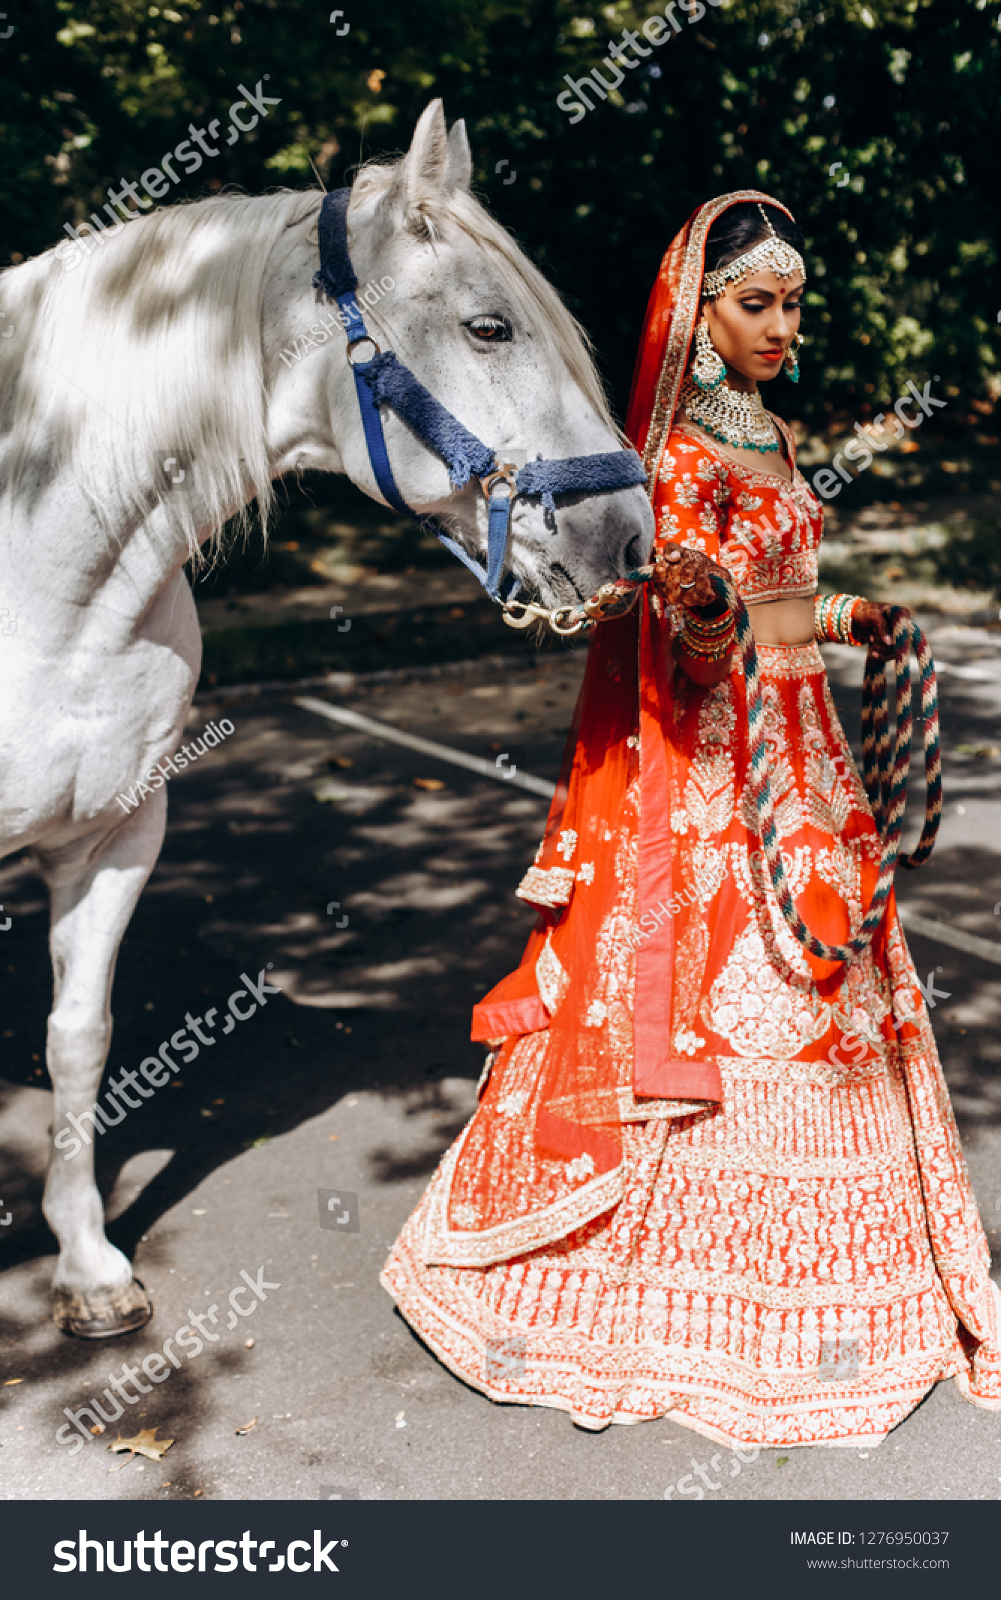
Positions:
{"x": 753, "y": 324}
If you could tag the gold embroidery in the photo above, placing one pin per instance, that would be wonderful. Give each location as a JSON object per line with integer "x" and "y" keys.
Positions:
{"x": 552, "y": 979}
{"x": 550, "y": 886}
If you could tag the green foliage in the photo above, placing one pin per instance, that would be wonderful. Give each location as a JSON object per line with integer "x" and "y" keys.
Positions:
{"x": 754, "y": 93}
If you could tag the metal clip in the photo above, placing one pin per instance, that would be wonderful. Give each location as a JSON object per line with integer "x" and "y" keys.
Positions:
{"x": 365, "y": 338}
{"x": 505, "y": 472}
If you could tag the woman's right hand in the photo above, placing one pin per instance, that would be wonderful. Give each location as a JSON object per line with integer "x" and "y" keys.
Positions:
{"x": 682, "y": 576}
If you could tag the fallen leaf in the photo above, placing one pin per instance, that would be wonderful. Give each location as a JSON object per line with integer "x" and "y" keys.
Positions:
{"x": 9, "y": 1381}
{"x": 199, "y": 1213}
{"x": 248, "y": 1344}
{"x": 782, "y": 1461}
{"x": 247, "y": 1426}
{"x": 343, "y": 762}
{"x": 196, "y": 1494}
{"x": 145, "y": 1443}
{"x": 428, "y": 783}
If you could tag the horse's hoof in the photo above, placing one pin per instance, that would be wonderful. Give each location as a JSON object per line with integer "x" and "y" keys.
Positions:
{"x": 102, "y": 1316}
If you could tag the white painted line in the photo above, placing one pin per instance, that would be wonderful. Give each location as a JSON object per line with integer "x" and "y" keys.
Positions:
{"x": 986, "y": 949}
{"x": 427, "y": 747}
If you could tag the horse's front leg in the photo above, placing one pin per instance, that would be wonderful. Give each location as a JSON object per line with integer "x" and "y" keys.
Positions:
{"x": 94, "y": 888}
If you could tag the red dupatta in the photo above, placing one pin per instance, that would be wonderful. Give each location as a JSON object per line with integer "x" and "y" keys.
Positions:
{"x": 612, "y": 805}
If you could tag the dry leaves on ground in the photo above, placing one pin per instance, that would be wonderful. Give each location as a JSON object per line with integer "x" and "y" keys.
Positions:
{"x": 145, "y": 1443}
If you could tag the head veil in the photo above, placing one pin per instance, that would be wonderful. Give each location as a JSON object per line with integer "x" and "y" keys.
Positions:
{"x": 594, "y": 988}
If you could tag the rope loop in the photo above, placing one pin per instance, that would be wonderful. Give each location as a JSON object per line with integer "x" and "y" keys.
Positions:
{"x": 885, "y": 785}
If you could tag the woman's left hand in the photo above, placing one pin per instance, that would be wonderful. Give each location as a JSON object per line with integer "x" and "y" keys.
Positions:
{"x": 872, "y": 625}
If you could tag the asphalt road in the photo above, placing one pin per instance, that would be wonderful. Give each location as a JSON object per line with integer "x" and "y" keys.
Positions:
{"x": 355, "y": 1078}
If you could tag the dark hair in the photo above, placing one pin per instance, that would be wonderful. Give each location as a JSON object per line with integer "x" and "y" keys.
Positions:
{"x": 741, "y": 227}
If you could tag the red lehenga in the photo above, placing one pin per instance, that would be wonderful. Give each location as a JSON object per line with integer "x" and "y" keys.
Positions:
{"x": 677, "y": 1194}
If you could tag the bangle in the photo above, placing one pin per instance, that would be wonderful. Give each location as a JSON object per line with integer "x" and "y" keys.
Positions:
{"x": 832, "y": 618}
{"x": 708, "y": 638}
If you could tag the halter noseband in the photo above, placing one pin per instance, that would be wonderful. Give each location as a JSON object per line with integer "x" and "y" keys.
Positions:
{"x": 382, "y": 380}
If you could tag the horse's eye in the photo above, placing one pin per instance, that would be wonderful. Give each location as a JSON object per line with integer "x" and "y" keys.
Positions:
{"x": 491, "y": 330}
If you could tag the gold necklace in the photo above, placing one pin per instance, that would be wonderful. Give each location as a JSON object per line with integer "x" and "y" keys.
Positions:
{"x": 734, "y": 418}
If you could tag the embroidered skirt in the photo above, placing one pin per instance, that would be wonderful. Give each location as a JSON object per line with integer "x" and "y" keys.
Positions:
{"x": 796, "y": 1264}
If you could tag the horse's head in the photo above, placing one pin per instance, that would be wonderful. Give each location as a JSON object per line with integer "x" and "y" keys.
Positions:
{"x": 480, "y": 328}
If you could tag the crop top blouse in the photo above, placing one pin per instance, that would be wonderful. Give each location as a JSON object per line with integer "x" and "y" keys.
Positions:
{"x": 764, "y": 529}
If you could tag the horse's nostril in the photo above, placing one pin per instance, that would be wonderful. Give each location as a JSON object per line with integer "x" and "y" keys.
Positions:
{"x": 635, "y": 552}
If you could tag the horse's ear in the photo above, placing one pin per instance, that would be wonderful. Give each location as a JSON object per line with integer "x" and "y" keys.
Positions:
{"x": 459, "y": 172}
{"x": 426, "y": 162}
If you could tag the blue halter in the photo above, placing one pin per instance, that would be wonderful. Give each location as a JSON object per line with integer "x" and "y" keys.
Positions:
{"x": 382, "y": 380}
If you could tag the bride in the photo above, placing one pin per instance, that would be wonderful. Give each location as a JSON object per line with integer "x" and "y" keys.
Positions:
{"x": 676, "y": 1194}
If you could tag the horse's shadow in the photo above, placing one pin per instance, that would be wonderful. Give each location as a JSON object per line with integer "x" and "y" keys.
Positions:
{"x": 249, "y": 866}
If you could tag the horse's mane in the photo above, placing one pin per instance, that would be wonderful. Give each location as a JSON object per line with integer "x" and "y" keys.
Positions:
{"x": 150, "y": 349}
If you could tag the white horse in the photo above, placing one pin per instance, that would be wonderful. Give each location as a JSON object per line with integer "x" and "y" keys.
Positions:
{"x": 145, "y": 403}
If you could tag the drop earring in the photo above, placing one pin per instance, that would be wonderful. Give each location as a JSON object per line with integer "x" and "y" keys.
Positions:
{"x": 791, "y": 360}
{"x": 708, "y": 368}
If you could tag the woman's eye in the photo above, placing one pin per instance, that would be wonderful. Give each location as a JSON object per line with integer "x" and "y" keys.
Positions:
{"x": 491, "y": 330}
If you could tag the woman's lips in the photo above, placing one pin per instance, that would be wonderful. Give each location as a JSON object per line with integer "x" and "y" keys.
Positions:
{"x": 769, "y": 355}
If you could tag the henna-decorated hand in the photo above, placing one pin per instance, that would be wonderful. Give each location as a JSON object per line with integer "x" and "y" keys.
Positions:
{"x": 872, "y": 625}
{"x": 681, "y": 576}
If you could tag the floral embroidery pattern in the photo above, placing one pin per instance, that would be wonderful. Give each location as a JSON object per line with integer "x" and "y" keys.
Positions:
{"x": 512, "y": 1105}
{"x": 580, "y": 1169}
{"x": 586, "y": 873}
{"x": 567, "y": 844}
{"x": 597, "y": 1012}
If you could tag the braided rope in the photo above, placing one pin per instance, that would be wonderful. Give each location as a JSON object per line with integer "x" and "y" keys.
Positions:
{"x": 885, "y": 784}
{"x": 886, "y": 787}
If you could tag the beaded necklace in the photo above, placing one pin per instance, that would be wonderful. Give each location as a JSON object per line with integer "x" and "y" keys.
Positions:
{"x": 734, "y": 418}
